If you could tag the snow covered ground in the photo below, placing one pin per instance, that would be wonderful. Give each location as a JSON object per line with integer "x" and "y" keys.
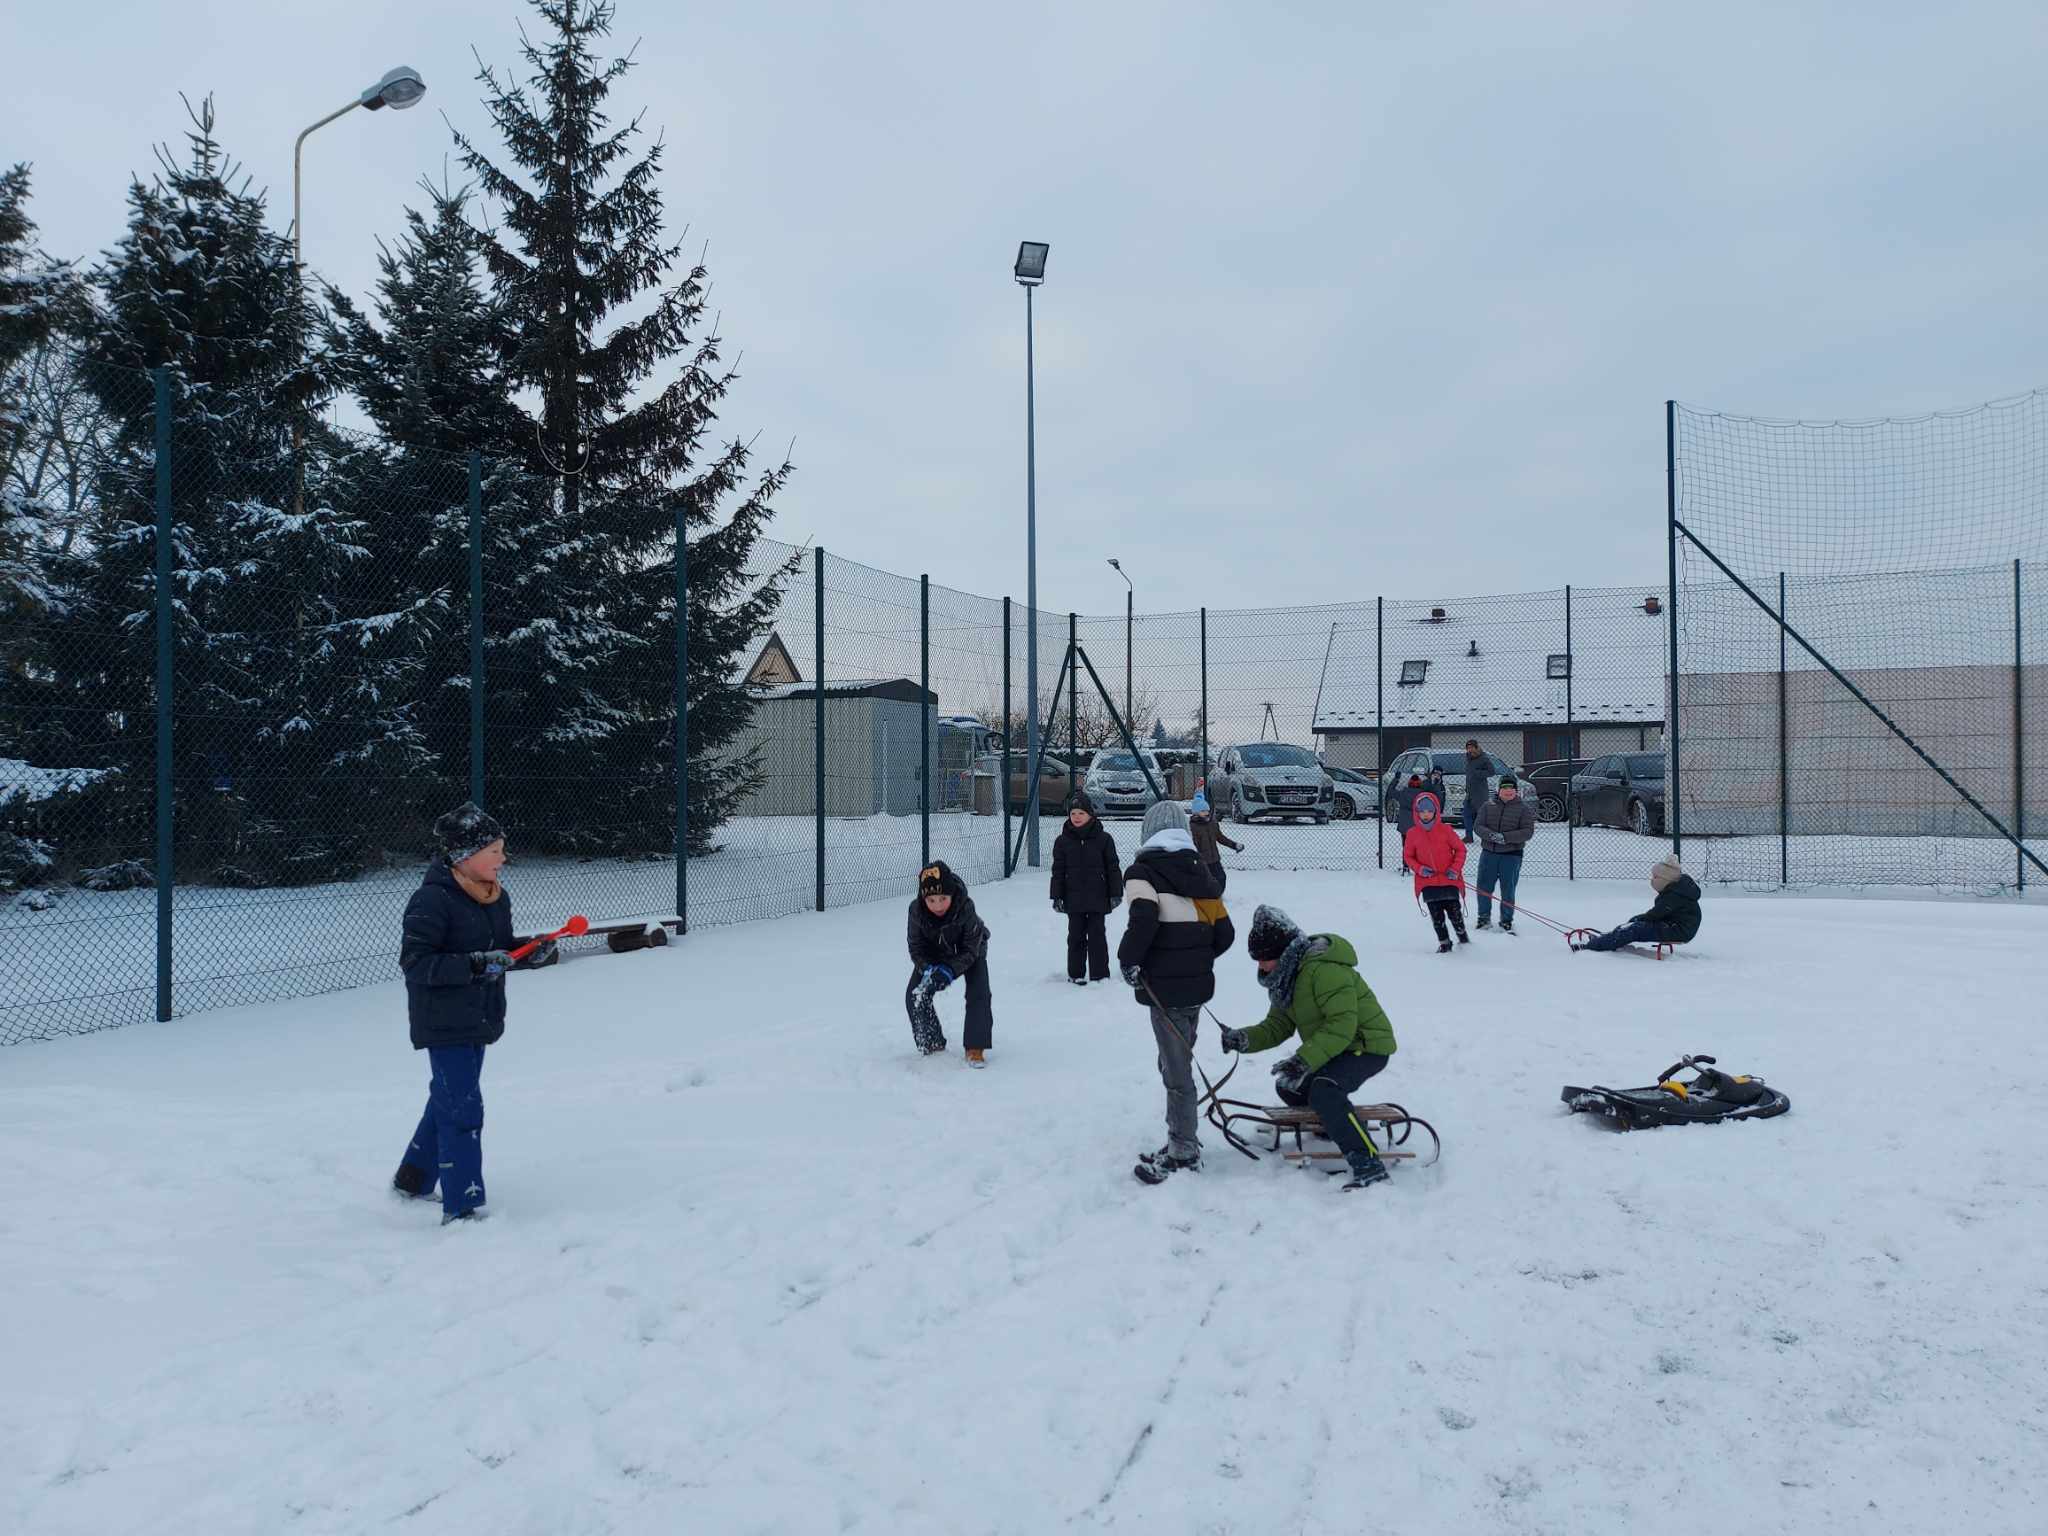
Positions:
{"x": 753, "y": 1267}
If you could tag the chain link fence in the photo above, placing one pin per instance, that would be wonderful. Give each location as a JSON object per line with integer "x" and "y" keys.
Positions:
{"x": 245, "y": 666}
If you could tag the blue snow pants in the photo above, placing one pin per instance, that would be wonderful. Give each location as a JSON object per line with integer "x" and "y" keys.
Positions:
{"x": 449, "y": 1141}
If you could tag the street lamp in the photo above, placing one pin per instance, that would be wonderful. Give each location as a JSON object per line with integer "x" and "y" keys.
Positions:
{"x": 1030, "y": 272}
{"x": 398, "y": 89}
{"x": 1130, "y": 608}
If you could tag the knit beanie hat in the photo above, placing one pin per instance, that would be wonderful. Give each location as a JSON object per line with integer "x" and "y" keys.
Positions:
{"x": 464, "y": 832}
{"x": 1200, "y": 805}
{"x": 1664, "y": 873}
{"x": 1163, "y": 816}
{"x": 1508, "y": 781}
{"x": 1081, "y": 802}
{"x": 1272, "y": 931}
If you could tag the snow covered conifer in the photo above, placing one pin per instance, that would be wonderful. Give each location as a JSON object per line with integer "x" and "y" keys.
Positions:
{"x": 608, "y": 330}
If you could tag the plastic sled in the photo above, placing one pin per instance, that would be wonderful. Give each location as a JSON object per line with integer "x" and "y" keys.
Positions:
{"x": 1709, "y": 1098}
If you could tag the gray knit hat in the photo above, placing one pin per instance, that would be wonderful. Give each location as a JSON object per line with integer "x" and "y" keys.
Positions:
{"x": 1162, "y": 816}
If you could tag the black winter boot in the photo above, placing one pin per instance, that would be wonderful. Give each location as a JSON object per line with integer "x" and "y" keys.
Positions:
{"x": 413, "y": 1181}
{"x": 1366, "y": 1170}
{"x": 1155, "y": 1167}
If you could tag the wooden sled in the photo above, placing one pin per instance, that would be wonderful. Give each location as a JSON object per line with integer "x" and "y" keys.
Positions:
{"x": 1389, "y": 1126}
{"x": 619, "y": 935}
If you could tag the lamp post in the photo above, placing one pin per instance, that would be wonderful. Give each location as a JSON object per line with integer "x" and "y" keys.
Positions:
{"x": 398, "y": 89}
{"x": 1030, "y": 272}
{"x": 1130, "y": 609}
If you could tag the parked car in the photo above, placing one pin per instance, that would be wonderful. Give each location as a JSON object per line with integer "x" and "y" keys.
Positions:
{"x": 1549, "y": 785}
{"x": 1265, "y": 779}
{"x": 1054, "y": 782}
{"x": 1622, "y": 789}
{"x": 1357, "y": 795}
{"x": 1421, "y": 760}
{"x": 1118, "y": 786}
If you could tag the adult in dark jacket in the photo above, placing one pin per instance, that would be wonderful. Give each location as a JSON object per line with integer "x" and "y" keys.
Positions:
{"x": 1404, "y": 803}
{"x": 948, "y": 943}
{"x": 1674, "y": 918}
{"x": 458, "y": 929}
{"x": 1087, "y": 885}
{"x": 1178, "y": 926}
{"x": 1506, "y": 823}
{"x": 1478, "y": 769}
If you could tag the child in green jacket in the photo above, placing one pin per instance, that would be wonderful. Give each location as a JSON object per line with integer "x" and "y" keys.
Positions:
{"x": 1344, "y": 1034}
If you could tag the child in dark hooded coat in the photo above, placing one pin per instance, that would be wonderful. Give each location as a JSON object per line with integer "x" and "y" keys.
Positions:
{"x": 948, "y": 942}
{"x": 1087, "y": 885}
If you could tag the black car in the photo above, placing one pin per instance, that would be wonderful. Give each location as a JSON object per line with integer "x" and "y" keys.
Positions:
{"x": 1549, "y": 785}
{"x": 1622, "y": 789}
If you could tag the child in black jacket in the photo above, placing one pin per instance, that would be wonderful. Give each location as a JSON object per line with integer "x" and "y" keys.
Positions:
{"x": 948, "y": 941}
{"x": 1087, "y": 885}
{"x": 1674, "y": 918}
{"x": 458, "y": 929}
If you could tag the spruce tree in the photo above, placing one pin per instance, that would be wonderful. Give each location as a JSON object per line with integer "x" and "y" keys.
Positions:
{"x": 200, "y": 285}
{"x": 607, "y": 330}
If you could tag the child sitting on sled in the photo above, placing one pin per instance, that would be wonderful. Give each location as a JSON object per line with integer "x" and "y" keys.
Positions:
{"x": 1435, "y": 855}
{"x": 948, "y": 942}
{"x": 1674, "y": 918}
{"x": 1344, "y": 1036}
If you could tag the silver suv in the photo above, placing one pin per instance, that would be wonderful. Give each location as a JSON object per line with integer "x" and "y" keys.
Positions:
{"x": 1116, "y": 785}
{"x": 1263, "y": 780}
{"x": 1451, "y": 765}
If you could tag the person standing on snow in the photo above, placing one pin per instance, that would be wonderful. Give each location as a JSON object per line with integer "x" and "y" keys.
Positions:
{"x": 454, "y": 953}
{"x": 1477, "y": 770}
{"x": 1506, "y": 823}
{"x": 1178, "y": 926}
{"x": 1344, "y": 1034}
{"x": 1435, "y": 855}
{"x": 1208, "y": 835}
{"x": 948, "y": 941}
{"x": 1087, "y": 885}
{"x": 1404, "y": 803}
{"x": 1674, "y": 918}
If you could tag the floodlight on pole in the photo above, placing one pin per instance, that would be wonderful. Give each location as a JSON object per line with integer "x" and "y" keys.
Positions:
{"x": 1030, "y": 272}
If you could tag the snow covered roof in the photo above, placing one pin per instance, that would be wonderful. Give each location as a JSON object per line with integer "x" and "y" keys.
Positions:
{"x": 1489, "y": 662}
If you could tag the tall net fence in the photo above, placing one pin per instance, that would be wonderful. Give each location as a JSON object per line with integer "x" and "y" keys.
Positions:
{"x": 1857, "y": 607}
{"x": 247, "y": 661}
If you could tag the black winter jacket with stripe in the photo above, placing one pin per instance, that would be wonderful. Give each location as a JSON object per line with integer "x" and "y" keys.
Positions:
{"x": 1177, "y": 929}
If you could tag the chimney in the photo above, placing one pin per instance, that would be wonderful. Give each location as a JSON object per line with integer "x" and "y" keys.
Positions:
{"x": 1436, "y": 615}
{"x": 1652, "y": 606}
{"x": 1475, "y": 649}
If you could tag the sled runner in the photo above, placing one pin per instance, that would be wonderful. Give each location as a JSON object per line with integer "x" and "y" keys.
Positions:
{"x": 1711, "y": 1097}
{"x": 1388, "y": 1125}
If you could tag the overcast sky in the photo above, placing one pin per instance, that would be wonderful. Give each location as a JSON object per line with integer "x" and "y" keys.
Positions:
{"x": 1344, "y": 298}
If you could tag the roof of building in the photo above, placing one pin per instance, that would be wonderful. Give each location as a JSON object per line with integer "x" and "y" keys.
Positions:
{"x": 1487, "y": 662}
{"x": 900, "y": 689}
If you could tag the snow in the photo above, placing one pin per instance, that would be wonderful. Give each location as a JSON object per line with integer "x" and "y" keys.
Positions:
{"x": 24, "y": 784}
{"x": 753, "y": 1267}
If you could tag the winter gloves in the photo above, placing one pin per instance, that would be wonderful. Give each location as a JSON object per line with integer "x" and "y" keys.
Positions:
{"x": 1291, "y": 1073}
{"x": 489, "y": 964}
{"x": 1133, "y": 977}
{"x": 1233, "y": 1039}
{"x": 938, "y": 977}
{"x": 1059, "y": 907}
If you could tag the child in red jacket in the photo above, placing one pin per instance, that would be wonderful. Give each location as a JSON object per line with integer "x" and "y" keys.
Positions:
{"x": 1435, "y": 855}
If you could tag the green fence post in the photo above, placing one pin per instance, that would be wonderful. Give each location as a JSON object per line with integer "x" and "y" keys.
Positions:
{"x": 818, "y": 729}
{"x": 1003, "y": 784}
{"x": 476, "y": 628}
{"x": 924, "y": 715}
{"x": 166, "y": 871}
{"x": 682, "y": 724}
